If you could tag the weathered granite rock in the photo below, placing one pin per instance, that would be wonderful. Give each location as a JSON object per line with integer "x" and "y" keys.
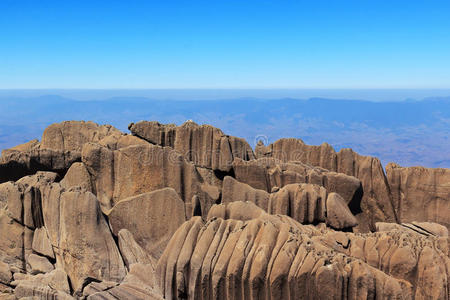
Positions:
{"x": 420, "y": 194}
{"x": 60, "y": 147}
{"x": 77, "y": 175}
{"x": 81, "y": 223}
{"x": 377, "y": 203}
{"x": 133, "y": 170}
{"x": 204, "y": 145}
{"x": 338, "y": 214}
{"x": 305, "y": 203}
{"x": 130, "y": 250}
{"x": 267, "y": 173}
{"x": 140, "y": 283}
{"x": 41, "y": 243}
{"x": 266, "y": 258}
{"x": 39, "y": 264}
{"x": 5, "y": 273}
{"x": 151, "y": 218}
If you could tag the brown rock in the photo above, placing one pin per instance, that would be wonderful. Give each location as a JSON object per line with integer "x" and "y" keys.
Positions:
{"x": 5, "y": 273}
{"x": 60, "y": 147}
{"x": 131, "y": 252}
{"x": 151, "y": 218}
{"x": 81, "y": 223}
{"x": 234, "y": 190}
{"x": 420, "y": 194}
{"x": 138, "y": 169}
{"x": 41, "y": 243}
{"x": 204, "y": 145}
{"x": 77, "y": 175}
{"x": 338, "y": 214}
{"x": 377, "y": 202}
{"x": 39, "y": 264}
{"x": 268, "y": 173}
{"x": 264, "y": 258}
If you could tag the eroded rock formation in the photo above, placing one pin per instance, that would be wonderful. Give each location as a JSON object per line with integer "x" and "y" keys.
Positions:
{"x": 188, "y": 212}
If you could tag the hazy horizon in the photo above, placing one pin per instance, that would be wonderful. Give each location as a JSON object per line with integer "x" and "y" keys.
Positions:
{"x": 231, "y": 93}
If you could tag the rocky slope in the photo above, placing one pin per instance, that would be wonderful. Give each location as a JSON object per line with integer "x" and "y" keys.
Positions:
{"x": 188, "y": 212}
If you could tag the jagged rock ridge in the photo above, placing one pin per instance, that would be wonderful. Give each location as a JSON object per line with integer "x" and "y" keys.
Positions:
{"x": 175, "y": 212}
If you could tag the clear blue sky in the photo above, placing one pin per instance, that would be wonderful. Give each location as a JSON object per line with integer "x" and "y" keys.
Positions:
{"x": 224, "y": 44}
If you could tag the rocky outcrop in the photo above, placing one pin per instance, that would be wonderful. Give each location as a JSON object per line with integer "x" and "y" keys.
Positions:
{"x": 60, "y": 147}
{"x": 187, "y": 212}
{"x": 268, "y": 173}
{"x": 133, "y": 170}
{"x": 420, "y": 194}
{"x": 204, "y": 145}
{"x": 151, "y": 218}
{"x": 306, "y": 203}
{"x": 377, "y": 202}
{"x": 269, "y": 258}
{"x": 82, "y": 224}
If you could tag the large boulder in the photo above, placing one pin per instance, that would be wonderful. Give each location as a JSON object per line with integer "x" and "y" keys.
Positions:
{"x": 204, "y": 145}
{"x": 130, "y": 171}
{"x": 420, "y": 194}
{"x": 151, "y": 218}
{"x": 86, "y": 246}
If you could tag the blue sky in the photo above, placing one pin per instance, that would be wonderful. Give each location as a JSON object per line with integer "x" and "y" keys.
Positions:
{"x": 224, "y": 44}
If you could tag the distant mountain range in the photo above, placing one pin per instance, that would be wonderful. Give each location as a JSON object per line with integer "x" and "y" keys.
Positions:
{"x": 408, "y": 132}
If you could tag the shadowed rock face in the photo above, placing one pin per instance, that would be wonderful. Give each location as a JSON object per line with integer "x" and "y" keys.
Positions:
{"x": 187, "y": 212}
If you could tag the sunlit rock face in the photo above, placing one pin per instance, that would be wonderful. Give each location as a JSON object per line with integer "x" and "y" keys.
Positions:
{"x": 188, "y": 212}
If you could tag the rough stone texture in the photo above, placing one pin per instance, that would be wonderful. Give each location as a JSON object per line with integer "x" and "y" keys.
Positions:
{"x": 131, "y": 252}
{"x": 305, "y": 203}
{"x": 139, "y": 283}
{"x": 377, "y": 202}
{"x": 72, "y": 135}
{"x": 60, "y": 147}
{"x": 234, "y": 190}
{"x": 276, "y": 227}
{"x": 268, "y": 258}
{"x": 420, "y": 194}
{"x": 151, "y": 218}
{"x": 5, "y": 273}
{"x": 39, "y": 264}
{"x": 267, "y": 173}
{"x": 338, "y": 214}
{"x": 133, "y": 170}
{"x": 204, "y": 145}
{"x": 77, "y": 175}
{"x": 41, "y": 243}
{"x": 86, "y": 246}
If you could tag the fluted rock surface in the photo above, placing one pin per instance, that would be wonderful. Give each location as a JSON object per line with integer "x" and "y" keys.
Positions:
{"x": 270, "y": 258}
{"x": 204, "y": 145}
{"x": 420, "y": 194}
{"x": 377, "y": 203}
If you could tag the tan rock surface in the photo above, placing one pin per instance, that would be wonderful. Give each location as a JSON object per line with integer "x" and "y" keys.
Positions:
{"x": 204, "y": 145}
{"x": 420, "y": 194}
{"x": 151, "y": 218}
{"x": 133, "y": 170}
{"x": 271, "y": 259}
{"x": 377, "y": 202}
{"x": 86, "y": 246}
